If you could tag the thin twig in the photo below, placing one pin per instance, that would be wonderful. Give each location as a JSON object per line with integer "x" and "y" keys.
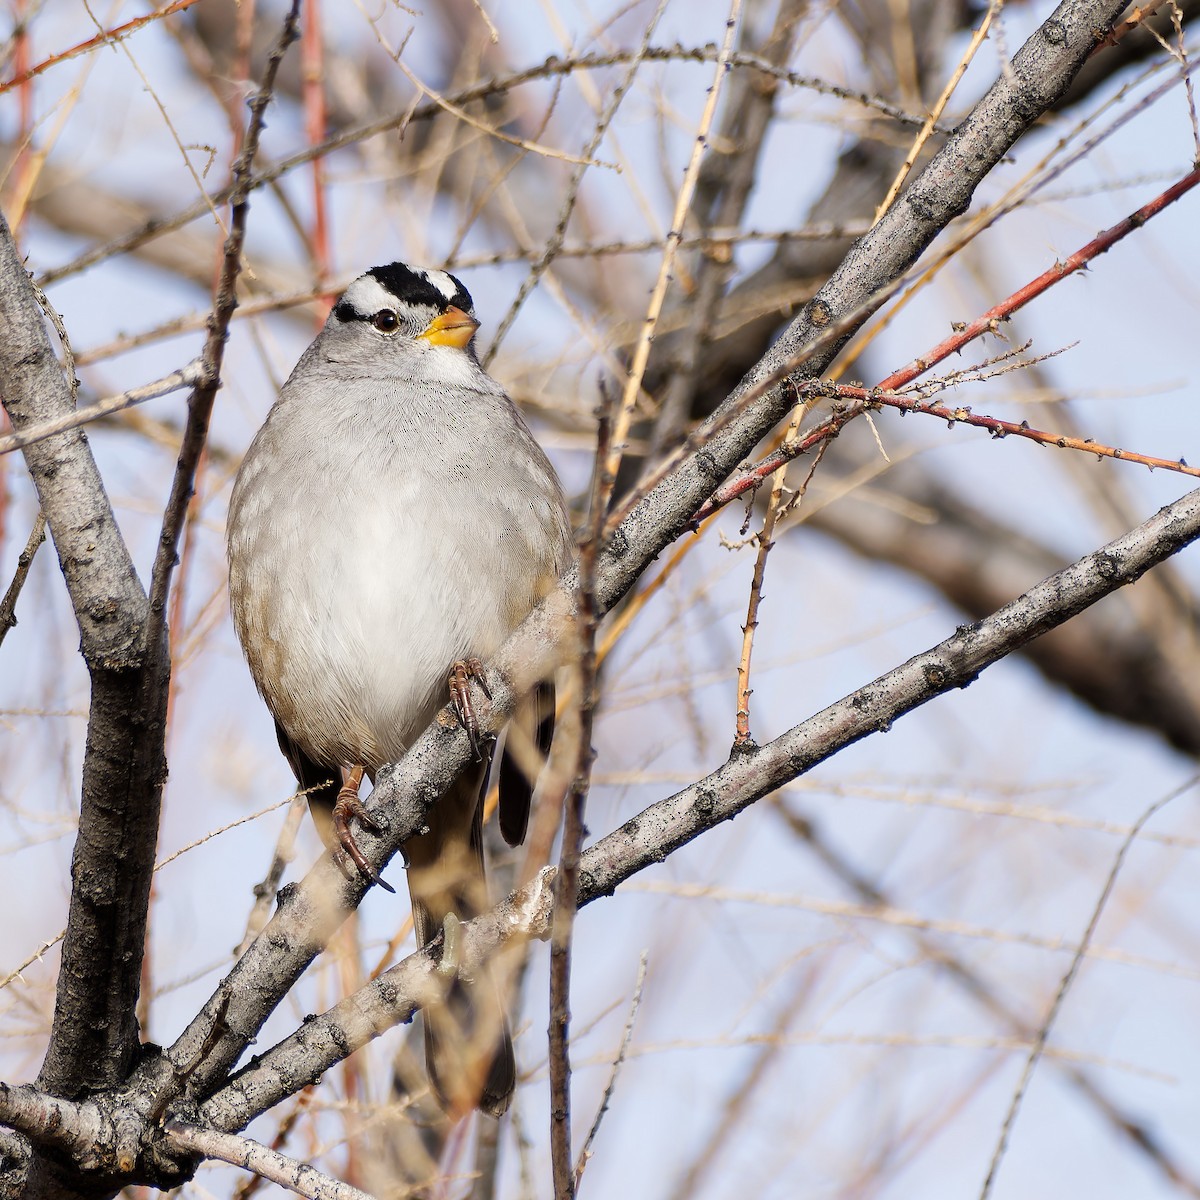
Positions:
{"x": 556, "y": 239}
{"x": 36, "y": 956}
{"x": 312, "y": 72}
{"x": 8, "y": 606}
{"x": 622, "y": 1050}
{"x": 1078, "y": 261}
{"x": 683, "y": 201}
{"x": 1140, "y": 15}
{"x": 1001, "y": 429}
{"x": 201, "y": 401}
{"x": 1180, "y": 52}
{"x": 989, "y": 322}
{"x": 722, "y": 193}
{"x": 188, "y": 376}
{"x": 939, "y": 107}
{"x": 865, "y": 399}
{"x": 1039, "y": 1042}
{"x": 106, "y": 37}
{"x": 268, "y": 888}
{"x": 566, "y": 890}
{"x": 64, "y": 340}
{"x": 776, "y": 507}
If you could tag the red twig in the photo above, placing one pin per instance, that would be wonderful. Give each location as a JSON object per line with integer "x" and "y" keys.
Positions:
{"x": 886, "y": 393}
{"x": 116, "y": 34}
{"x": 953, "y": 415}
{"x": 1046, "y": 280}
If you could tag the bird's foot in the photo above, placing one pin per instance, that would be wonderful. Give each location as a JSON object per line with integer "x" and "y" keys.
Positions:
{"x": 348, "y": 805}
{"x": 461, "y": 674}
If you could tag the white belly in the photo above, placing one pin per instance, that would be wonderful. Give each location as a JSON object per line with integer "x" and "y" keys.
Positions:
{"x": 353, "y": 597}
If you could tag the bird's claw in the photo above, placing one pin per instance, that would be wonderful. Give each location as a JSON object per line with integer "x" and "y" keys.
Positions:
{"x": 347, "y": 806}
{"x": 461, "y": 674}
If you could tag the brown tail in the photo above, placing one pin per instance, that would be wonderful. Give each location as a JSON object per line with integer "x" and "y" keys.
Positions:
{"x": 468, "y": 1047}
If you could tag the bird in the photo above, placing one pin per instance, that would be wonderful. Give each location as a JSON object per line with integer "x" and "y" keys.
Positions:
{"x": 391, "y": 523}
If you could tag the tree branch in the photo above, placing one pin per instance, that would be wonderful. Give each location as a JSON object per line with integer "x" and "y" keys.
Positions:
{"x": 1041, "y": 69}
{"x": 105, "y": 593}
{"x": 253, "y": 1156}
{"x": 748, "y": 775}
{"x": 94, "y": 1038}
{"x": 94, "y": 1041}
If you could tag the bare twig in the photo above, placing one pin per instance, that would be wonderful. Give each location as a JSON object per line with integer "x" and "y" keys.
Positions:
{"x": 1078, "y": 261}
{"x": 29, "y": 960}
{"x": 722, "y": 193}
{"x": 1138, "y": 17}
{"x": 186, "y": 377}
{"x": 1043, "y": 1033}
{"x": 673, "y": 822}
{"x": 585, "y": 1153}
{"x": 641, "y": 355}
{"x": 776, "y": 506}
{"x": 989, "y": 322}
{"x": 253, "y": 1156}
{"x": 312, "y": 53}
{"x": 556, "y": 239}
{"x": 8, "y": 606}
{"x": 1179, "y": 51}
{"x": 266, "y": 890}
{"x": 939, "y": 107}
{"x": 566, "y": 894}
{"x": 201, "y": 401}
{"x": 107, "y": 37}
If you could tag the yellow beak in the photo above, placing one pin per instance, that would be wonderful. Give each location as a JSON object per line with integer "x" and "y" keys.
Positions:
{"x": 453, "y": 328}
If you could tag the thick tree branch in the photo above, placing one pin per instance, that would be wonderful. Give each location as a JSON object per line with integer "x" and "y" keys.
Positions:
{"x": 94, "y": 1041}
{"x": 749, "y": 775}
{"x": 108, "y": 599}
{"x": 47, "y": 1121}
{"x": 975, "y": 560}
{"x": 1041, "y": 69}
{"x": 253, "y": 1156}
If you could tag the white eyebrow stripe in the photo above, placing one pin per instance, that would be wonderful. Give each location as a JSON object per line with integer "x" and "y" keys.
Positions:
{"x": 441, "y": 281}
{"x": 366, "y": 295}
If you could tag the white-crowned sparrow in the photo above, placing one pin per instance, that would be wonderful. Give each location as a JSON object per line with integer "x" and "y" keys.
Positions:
{"x": 393, "y": 521}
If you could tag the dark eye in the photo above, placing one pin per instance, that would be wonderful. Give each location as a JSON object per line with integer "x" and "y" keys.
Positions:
{"x": 386, "y": 321}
